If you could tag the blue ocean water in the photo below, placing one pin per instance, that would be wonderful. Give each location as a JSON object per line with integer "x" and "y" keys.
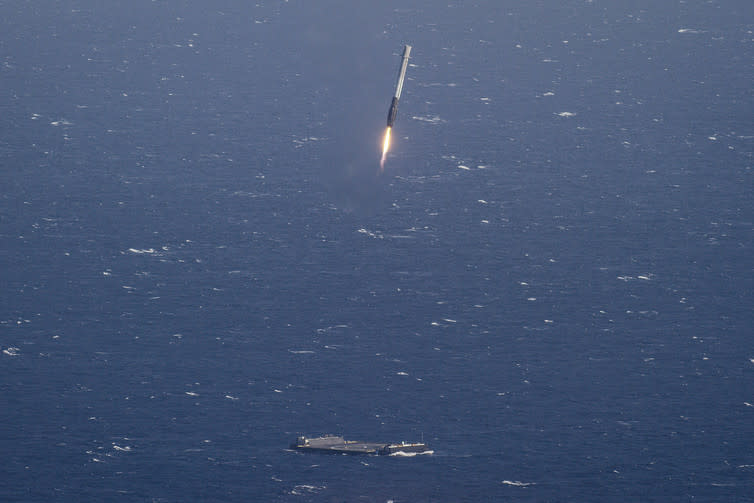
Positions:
{"x": 551, "y": 283}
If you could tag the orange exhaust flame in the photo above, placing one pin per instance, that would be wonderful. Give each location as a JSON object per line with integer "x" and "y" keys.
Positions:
{"x": 385, "y": 148}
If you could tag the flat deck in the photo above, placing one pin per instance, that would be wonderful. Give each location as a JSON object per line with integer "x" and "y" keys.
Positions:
{"x": 339, "y": 445}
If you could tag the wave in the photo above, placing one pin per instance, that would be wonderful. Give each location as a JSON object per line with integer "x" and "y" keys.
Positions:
{"x": 517, "y": 484}
{"x": 402, "y": 454}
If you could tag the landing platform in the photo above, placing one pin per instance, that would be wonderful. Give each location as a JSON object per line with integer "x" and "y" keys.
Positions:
{"x": 338, "y": 445}
{"x": 335, "y": 444}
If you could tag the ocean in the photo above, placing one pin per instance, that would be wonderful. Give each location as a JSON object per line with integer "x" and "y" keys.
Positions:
{"x": 551, "y": 283}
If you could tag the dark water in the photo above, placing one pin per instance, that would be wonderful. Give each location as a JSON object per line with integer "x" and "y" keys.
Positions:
{"x": 551, "y": 283}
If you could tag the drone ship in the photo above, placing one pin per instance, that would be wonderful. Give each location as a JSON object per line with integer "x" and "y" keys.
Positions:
{"x": 332, "y": 444}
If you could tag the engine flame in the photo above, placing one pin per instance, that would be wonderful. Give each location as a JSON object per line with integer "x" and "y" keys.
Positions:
{"x": 385, "y": 148}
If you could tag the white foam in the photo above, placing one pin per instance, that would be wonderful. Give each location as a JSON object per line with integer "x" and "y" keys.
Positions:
{"x": 401, "y": 454}
{"x": 517, "y": 484}
{"x": 300, "y": 142}
{"x": 431, "y": 119}
{"x": 142, "y": 250}
{"x": 334, "y": 327}
{"x": 11, "y": 351}
{"x": 306, "y": 489}
{"x": 376, "y": 235}
{"x": 566, "y": 114}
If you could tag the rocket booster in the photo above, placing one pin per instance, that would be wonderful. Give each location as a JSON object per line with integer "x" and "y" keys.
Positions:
{"x": 398, "y": 88}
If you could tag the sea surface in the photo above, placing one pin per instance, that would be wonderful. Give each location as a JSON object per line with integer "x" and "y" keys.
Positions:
{"x": 551, "y": 283}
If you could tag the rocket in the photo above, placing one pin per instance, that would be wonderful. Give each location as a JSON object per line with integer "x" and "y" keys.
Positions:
{"x": 398, "y": 88}
{"x": 394, "y": 105}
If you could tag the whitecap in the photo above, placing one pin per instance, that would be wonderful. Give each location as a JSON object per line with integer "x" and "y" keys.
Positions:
{"x": 300, "y": 142}
{"x": 306, "y": 489}
{"x": 431, "y": 119}
{"x": 402, "y": 454}
{"x": 11, "y": 351}
{"x": 376, "y": 235}
{"x": 517, "y": 484}
{"x": 141, "y": 251}
{"x": 566, "y": 114}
